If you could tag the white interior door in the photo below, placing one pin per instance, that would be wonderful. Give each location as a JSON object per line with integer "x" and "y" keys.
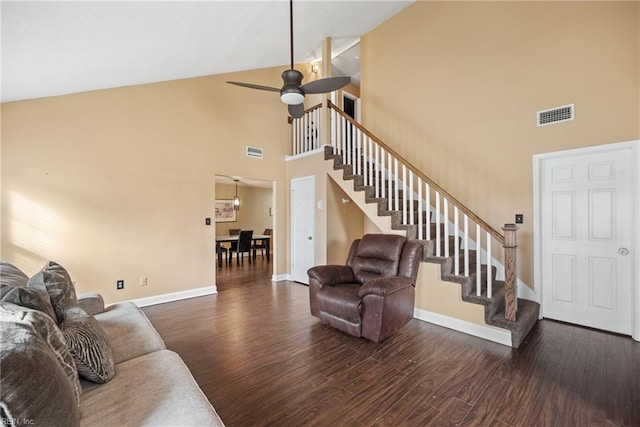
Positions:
{"x": 586, "y": 205}
{"x": 302, "y": 227}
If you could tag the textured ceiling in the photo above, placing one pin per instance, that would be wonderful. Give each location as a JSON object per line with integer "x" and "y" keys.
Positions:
{"x": 54, "y": 48}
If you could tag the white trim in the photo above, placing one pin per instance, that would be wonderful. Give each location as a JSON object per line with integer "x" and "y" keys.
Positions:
{"x": 349, "y": 95}
{"x": 175, "y": 296}
{"x": 635, "y": 242}
{"x": 490, "y": 333}
{"x": 280, "y": 277}
{"x": 538, "y": 159}
{"x": 305, "y": 154}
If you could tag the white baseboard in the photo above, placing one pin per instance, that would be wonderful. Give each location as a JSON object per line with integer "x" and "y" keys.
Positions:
{"x": 489, "y": 333}
{"x": 525, "y": 292}
{"x": 175, "y": 296}
{"x": 280, "y": 277}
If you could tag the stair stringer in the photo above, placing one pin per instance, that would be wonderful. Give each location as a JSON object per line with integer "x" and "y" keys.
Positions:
{"x": 438, "y": 302}
{"x": 384, "y": 223}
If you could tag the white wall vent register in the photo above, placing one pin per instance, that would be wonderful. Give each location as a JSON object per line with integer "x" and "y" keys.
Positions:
{"x": 254, "y": 152}
{"x": 556, "y": 115}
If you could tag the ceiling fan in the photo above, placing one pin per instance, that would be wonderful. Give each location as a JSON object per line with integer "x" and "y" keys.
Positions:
{"x": 293, "y": 91}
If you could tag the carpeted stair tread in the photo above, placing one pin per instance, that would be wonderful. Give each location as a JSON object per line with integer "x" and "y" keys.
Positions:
{"x": 528, "y": 313}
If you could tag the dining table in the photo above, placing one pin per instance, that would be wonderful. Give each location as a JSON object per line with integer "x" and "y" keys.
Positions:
{"x": 256, "y": 237}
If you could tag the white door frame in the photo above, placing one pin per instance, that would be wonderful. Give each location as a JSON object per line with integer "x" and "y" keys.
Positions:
{"x": 356, "y": 101}
{"x": 312, "y": 179}
{"x": 538, "y": 160}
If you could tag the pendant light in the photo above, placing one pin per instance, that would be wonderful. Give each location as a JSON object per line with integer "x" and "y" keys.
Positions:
{"x": 236, "y": 199}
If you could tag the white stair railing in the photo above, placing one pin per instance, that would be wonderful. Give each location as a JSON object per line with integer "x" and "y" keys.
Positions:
{"x": 306, "y": 130}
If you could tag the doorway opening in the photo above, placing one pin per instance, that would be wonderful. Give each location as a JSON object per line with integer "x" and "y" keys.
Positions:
{"x": 252, "y": 262}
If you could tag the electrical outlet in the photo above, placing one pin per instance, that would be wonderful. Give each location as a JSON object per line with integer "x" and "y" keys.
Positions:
{"x": 120, "y": 284}
{"x": 519, "y": 218}
{"x": 143, "y": 281}
{"x": 207, "y": 221}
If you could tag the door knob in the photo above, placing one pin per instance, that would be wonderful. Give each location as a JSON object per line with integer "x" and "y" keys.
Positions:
{"x": 623, "y": 251}
{"x": 310, "y": 238}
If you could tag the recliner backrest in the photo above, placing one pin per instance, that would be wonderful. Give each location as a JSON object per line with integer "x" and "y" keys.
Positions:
{"x": 377, "y": 255}
{"x": 410, "y": 260}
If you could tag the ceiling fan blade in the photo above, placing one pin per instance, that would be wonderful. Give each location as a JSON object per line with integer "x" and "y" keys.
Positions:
{"x": 296, "y": 111}
{"x": 252, "y": 86}
{"x": 328, "y": 84}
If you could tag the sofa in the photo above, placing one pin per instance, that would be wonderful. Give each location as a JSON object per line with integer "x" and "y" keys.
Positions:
{"x": 67, "y": 360}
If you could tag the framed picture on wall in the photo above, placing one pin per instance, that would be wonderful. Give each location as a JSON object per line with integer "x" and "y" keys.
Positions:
{"x": 225, "y": 211}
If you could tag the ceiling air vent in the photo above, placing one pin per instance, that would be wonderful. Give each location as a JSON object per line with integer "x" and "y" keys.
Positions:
{"x": 254, "y": 152}
{"x": 556, "y": 115}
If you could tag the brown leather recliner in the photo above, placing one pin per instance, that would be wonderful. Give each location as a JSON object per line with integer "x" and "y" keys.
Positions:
{"x": 373, "y": 295}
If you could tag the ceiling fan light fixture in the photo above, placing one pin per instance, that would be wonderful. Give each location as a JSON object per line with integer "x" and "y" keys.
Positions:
{"x": 292, "y": 98}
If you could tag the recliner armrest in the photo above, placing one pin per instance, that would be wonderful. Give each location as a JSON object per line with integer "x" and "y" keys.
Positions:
{"x": 384, "y": 286}
{"x": 91, "y": 302}
{"x": 330, "y": 275}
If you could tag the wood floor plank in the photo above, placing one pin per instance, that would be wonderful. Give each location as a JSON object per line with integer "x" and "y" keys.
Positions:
{"x": 452, "y": 412}
{"x": 263, "y": 360}
{"x": 415, "y": 398}
{"x": 485, "y": 409}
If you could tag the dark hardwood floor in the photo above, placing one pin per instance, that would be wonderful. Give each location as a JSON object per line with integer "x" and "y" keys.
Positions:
{"x": 262, "y": 359}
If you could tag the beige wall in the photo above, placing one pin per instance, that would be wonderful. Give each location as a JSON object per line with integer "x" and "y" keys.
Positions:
{"x": 455, "y": 87}
{"x": 346, "y": 223}
{"x": 116, "y": 184}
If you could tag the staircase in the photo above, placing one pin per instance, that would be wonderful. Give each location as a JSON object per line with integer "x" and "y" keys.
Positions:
{"x": 421, "y": 209}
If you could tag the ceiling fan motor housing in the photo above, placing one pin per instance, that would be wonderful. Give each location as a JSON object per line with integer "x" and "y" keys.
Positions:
{"x": 291, "y": 93}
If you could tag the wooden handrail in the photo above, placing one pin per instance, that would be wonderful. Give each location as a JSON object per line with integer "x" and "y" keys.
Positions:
{"x": 315, "y": 107}
{"x": 496, "y": 234}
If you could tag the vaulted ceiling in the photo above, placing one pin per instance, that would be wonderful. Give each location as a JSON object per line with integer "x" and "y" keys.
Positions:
{"x": 54, "y": 48}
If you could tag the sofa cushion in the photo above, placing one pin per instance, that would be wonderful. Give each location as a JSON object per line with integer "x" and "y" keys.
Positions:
{"x": 129, "y": 331}
{"x": 88, "y": 345}
{"x": 156, "y": 389}
{"x": 39, "y": 381}
{"x": 12, "y": 275}
{"x": 55, "y": 280}
{"x": 33, "y": 298}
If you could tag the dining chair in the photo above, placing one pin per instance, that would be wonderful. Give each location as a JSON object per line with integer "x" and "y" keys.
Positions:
{"x": 262, "y": 244}
{"x": 223, "y": 251}
{"x": 244, "y": 245}
{"x": 233, "y": 245}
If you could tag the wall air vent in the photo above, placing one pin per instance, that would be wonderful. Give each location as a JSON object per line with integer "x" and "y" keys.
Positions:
{"x": 556, "y": 115}
{"x": 254, "y": 152}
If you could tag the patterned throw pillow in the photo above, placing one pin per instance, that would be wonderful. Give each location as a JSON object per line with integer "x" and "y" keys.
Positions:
{"x": 55, "y": 280}
{"x": 88, "y": 345}
{"x": 36, "y": 365}
{"x": 12, "y": 275}
{"x": 28, "y": 297}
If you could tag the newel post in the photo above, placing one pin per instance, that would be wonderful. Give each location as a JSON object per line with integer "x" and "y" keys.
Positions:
{"x": 510, "y": 272}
